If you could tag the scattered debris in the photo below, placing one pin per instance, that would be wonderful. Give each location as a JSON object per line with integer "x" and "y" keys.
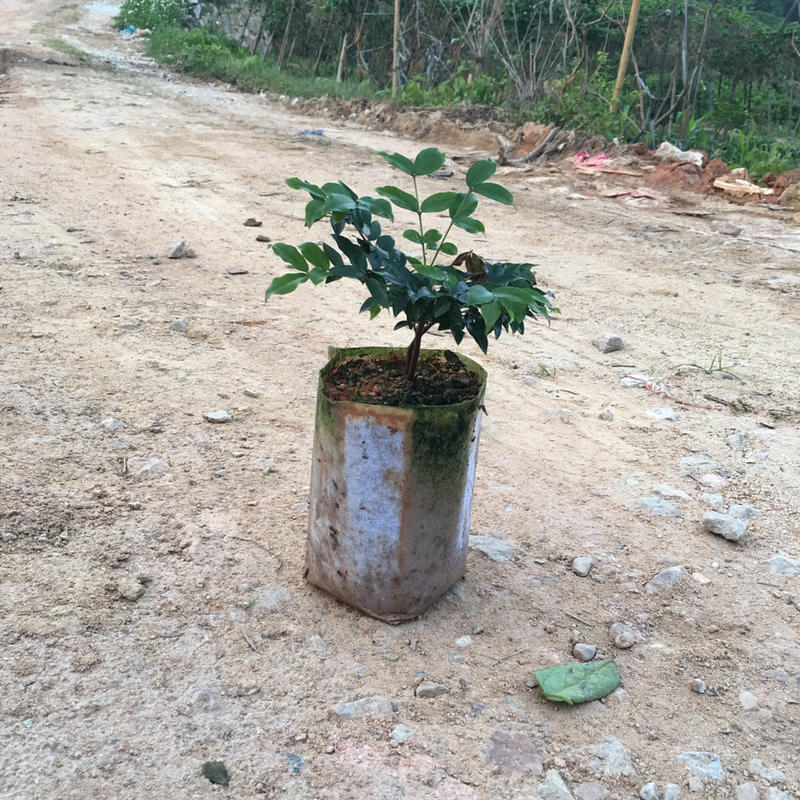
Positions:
{"x": 252, "y": 222}
{"x": 180, "y": 250}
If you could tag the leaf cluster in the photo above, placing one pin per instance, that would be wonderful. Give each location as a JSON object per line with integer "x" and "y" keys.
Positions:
{"x": 470, "y": 295}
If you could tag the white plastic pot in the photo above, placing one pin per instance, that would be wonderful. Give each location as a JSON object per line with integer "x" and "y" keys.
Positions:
{"x": 391, "y": 494}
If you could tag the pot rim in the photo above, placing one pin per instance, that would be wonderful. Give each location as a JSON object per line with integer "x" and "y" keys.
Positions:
{"x": 339, "y": 354}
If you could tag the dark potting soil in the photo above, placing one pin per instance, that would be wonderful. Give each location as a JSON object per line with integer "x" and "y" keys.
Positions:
{"x": 381, "y": 381}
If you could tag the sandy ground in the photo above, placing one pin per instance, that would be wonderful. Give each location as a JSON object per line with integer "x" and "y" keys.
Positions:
{"x": 226, "y": 653}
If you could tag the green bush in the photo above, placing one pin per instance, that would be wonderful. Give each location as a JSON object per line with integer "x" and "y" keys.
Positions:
{"x": 152, "y": 14}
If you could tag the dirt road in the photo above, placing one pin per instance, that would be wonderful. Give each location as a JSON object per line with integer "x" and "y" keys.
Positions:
{"x": 153, "y": 615}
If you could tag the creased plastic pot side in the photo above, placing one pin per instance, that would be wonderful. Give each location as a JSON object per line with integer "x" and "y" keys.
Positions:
{"x": 391, "y": 495}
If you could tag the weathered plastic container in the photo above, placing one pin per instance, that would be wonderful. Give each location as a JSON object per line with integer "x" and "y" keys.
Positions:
{"x": 391, "y": 495}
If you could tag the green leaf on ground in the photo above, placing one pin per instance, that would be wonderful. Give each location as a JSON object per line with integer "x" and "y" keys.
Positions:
{"x": 578, "y": 683}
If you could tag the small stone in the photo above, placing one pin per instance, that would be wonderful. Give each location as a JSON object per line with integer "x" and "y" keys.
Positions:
{"x": 610, "y": 758}
{"x": 725, "y": 228}
{"x": 215, "y": 772}
{"x": 402, "y": 733}
{"x": 237, "y": 271}
{"x": 179, "y": 325}
{"x": 252, "y": 222}
{"x": 139, "y": 467}
{"x": 748, "y": 700}
{"x": 553, "y": 787}
{"x": 608, "y": 342}
{"x": 376, "y": 706}
{"x": 664, "y": 490}
{"x": 703, "y": 765}
{"x": 497, "y": 549}
{"x": 666, "y": 579}
{"x": 621, "y": 627}
{"x": 713, "y": 481}
{"x": 606, "y": 414}
{"x": 130, "y": 588}
{"x": 663, "y": 414}
{"x": 591, "y": 790}
{"x": 217, "y": 416}
{"x": 252, "y": 393}
{"x": 694, "y": 464}
{"x": 464, "y": 641}
{"x": 262, "y": 238}
{"x": 111, "y": 424}
{"x": 736, "y": 440}
{"x": 671, "y": 791}
{"x": 714, "y": 499}
{"x": 698, "y": 686}
{"x": 431, "y": 689}
{"x": 770, "y": 774}
{"x": 743, "y": 511}
{"x": 514, "y": 754}
{"x": 724, "y": 525}
{"x": 177, "y": 250}
{"x": 635, "y": 381}
{"x": 649, "y": 791}
{"x": 746, "y": 791}
{"x": 584, "y": 652}
{"x": 582, "y": 565}
{"x": 624, "y": 641}
{"x": 657, "y": 507}
{"x": 773, "y": 793}
{"x": 781, "y": 564}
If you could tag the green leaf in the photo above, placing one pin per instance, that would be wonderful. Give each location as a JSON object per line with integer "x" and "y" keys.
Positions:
{"x": 494, "y": 191}
{"x": 432, "y": 273}
{"x": 469, "y": 224}
{"x": 377, "y": 289}
{"x": 317, "y": 275}
{"x": 480, "y": 172}
{"x": 428, "y": 161}
{"x": 578, "y": 683}
{"x": 463, "y": 205}
{"x": 315, "y": 210}
{"x": 378, "y": 206}
{"x": 449, "y": 248}
{"x": 398, "y": 161}
{"x": 284, "y": 284}
{"x": 478, "y": 295}
{"x": 491, "y": 313}
{"x": 314, "y": 255}
{"x": 431, "y": 237}
{"x": 412, "y": 236}
{"x": 291, "y": 255}
{"x": 400, "y": 198}
{"x": 338, "y": 201}
{"x": 311, "y": 188}
{"x": 440, "y": 201}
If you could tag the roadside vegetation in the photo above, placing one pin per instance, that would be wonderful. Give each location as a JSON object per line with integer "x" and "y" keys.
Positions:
{"x": 718, "y": 75}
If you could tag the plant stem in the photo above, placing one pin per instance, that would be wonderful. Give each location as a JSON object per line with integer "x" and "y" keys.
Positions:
{"x": 447, "y": 232}
{"x": 412, "y": 354}
{"x": 419, "y": 217}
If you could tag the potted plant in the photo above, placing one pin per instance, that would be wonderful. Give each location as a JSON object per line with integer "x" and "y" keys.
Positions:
{"x": 396, "y": 434}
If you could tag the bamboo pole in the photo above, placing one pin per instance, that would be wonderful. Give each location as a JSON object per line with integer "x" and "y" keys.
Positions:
{"x": 626, "y": 53}
{"x": 395, "y": 49}
{"x": 342, "y": 54}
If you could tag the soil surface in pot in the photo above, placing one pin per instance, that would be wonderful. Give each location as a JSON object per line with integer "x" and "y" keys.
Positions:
{"x": 438, "y": 382}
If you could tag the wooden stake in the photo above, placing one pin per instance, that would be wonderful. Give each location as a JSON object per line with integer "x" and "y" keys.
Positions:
{"x": 340, "y": 68}
{"x": 395, "y": 49}
{"x": 626, "y": 53}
